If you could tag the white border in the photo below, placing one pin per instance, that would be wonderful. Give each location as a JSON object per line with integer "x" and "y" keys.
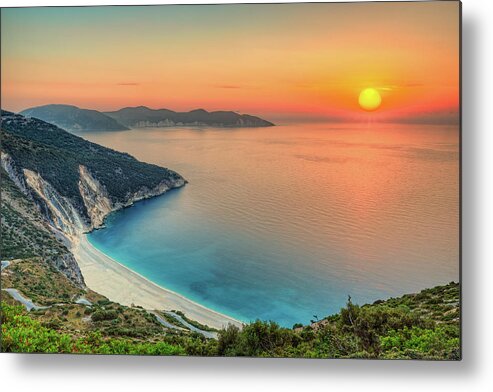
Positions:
{"x": 90, "y": 373}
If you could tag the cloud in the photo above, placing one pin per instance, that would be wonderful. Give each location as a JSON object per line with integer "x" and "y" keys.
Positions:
{"x": 228, "y": 86}
{"x": 413, "y": 85}
{"x": 392, "y": 87}
{"x": 128, "y": 84}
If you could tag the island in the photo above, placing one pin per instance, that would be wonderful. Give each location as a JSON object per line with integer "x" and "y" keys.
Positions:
{"x": 74, "y": 119}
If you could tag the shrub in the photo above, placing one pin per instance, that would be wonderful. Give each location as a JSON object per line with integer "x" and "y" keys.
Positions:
{"x": 104, "y": 315}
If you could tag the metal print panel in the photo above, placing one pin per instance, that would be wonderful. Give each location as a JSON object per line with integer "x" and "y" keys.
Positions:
{"x": 263, "y": 180}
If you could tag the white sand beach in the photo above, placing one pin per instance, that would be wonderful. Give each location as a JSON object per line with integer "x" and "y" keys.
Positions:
{"x": 120, "y": 284}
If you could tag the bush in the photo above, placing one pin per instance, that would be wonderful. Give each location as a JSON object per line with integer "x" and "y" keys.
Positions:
{"x": 104, "y": 315}
{"x": 368, "y": 323}
{"x": 440, "y": 342}
{"x": 227, "y": 340}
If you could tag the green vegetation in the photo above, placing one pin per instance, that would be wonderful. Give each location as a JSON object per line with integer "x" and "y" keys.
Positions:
{"x": 20, "y": 333}
{"x": 40, "y": 281}
{"x": 104, "y": 315}
{"x": 409, "y": 327}
{"x": 114, "y": 319}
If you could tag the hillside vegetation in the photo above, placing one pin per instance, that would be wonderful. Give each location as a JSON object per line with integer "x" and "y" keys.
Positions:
{"x": 56, "y": 155}
{"x": 416, "y": 326}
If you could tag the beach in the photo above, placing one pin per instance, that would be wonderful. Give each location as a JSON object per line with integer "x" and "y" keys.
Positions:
{"x": 120, "y": 284}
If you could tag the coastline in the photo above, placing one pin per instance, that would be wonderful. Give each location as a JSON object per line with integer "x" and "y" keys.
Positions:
{"x": 120, "y": 284}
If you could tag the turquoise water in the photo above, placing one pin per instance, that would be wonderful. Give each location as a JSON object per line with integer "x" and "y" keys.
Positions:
{"x": 284, "y": 223}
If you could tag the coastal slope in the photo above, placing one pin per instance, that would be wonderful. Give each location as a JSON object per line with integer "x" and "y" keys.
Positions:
{"x": 26, "y": 234}
{"x": 75, "y": 183}
{"x": 72, "y": 118}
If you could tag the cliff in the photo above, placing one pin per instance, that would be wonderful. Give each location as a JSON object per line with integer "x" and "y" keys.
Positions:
{"x": 26, "y": 234}
{"x": 73, "y": 183}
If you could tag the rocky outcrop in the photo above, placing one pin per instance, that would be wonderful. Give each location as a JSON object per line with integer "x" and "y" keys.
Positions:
{"x": 26, "y": 231}
{"x": 146, "y": 193}
{"x": 15, "y": 174}
{"x": 61, "y": 213}
{"x": 68, "y": 266}
{"x": 95, "y": 197}
{"x": 64, "y": 217}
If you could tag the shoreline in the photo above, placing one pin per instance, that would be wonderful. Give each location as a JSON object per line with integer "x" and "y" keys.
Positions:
{"x": 120, "y": 284}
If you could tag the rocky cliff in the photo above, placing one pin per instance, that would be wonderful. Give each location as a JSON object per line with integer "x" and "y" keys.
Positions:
{"x": 99, "y": 204}
{"x": 27, "y": 233}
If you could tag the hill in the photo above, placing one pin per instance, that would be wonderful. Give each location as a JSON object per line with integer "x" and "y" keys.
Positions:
{"x": 142, "y": 116}
{"x": 75, "y": 183}
{"x": 72, "y": 118}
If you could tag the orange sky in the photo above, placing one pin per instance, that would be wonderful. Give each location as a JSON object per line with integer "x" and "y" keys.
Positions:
{"x": 276, "y": 61}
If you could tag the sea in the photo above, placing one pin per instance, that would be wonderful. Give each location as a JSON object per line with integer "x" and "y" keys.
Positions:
{"x": 285, "y": 223}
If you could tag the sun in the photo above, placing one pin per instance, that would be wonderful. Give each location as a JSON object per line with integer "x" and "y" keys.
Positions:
{"x": 370, "y": 99}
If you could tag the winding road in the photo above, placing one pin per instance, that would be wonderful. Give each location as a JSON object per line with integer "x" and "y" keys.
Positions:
{"x": 207, "y": 334}
{"x": 30, "y": 305}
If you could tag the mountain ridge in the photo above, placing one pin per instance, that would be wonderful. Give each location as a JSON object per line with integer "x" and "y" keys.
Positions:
{"x": 73, "y": 118}
{"x": 143, "y": 116}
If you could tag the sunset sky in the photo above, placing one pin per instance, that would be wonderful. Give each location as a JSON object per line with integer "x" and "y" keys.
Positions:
{"x": 306, "y": 61}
